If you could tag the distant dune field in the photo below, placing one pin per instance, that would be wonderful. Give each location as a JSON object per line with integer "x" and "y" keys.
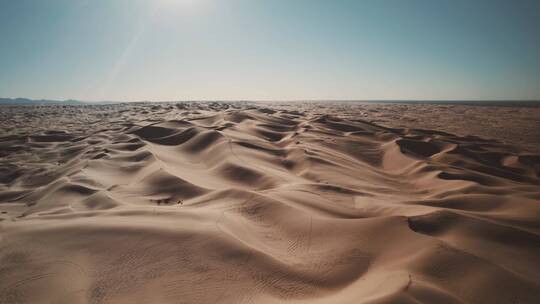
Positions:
{"x": 269, "y": 203}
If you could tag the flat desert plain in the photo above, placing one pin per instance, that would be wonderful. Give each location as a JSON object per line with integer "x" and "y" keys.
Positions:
{"x": 241, "y": 202}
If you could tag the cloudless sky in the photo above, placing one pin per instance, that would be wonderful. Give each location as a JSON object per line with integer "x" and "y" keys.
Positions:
{"x": 269, "y": 49}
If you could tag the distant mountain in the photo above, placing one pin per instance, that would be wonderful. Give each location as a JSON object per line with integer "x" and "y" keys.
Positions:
{"x": 26, "y": 101}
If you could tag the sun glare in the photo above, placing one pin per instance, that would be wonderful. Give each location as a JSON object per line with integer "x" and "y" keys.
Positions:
{"x": 182, "y": 3}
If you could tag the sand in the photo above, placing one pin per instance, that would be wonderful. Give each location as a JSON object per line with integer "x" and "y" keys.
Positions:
{"x": 253, "y": 203}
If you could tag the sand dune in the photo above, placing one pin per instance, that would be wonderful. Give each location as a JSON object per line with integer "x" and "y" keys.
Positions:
{"x": 250, "y": 203}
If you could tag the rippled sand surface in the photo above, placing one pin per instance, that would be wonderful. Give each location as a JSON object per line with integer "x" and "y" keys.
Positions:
{"x": 254, "y": 203}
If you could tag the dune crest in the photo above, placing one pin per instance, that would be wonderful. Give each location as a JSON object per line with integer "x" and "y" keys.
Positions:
{"x": 251, "y": 203}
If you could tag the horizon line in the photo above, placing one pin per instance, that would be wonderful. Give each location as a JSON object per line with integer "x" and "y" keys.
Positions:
{"x": 278, "y": 100}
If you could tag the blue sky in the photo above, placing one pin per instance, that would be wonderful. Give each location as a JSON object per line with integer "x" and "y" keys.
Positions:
{"x": 269, "y": 50}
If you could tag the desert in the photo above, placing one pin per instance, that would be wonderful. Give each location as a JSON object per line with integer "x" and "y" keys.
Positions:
{"x": 251, "y": 202}
{"x": 269, "y": 151}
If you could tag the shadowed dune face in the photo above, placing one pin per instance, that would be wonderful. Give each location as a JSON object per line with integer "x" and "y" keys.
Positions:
{"x": 244, "y": 203}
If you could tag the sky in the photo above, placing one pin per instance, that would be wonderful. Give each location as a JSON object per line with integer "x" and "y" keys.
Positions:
{"x": 127, "y": 50}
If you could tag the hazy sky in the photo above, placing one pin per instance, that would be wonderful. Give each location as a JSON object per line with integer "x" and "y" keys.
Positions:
{"x": 269, "y": 49}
